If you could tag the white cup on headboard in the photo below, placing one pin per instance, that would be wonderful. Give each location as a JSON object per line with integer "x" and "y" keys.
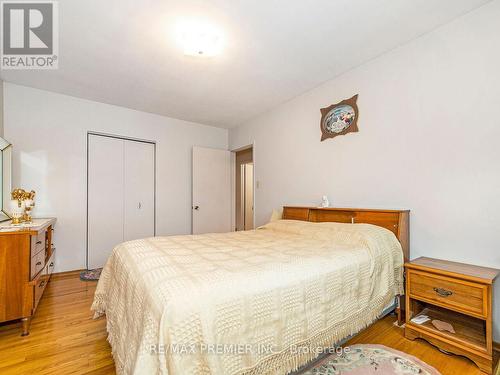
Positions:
{"x": 324, "y": 202}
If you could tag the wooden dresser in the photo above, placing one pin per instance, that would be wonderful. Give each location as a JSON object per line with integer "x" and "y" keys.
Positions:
{"x": 26, "y": 263}
{"x": 456, "y": 293}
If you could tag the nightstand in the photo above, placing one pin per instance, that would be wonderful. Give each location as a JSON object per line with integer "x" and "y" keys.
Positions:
{"x": 456, "y": 293}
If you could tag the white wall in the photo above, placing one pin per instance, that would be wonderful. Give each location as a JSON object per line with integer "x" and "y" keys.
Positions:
{"x": 49, "y": 132}
{"x": 429, "y": 141}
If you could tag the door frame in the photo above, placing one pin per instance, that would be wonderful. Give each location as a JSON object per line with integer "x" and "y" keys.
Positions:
{"x": 125, "y": 138}
{"x": 233, "y": 177}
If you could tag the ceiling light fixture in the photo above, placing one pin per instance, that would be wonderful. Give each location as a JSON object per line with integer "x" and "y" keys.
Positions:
{"x": 200, "y": 39}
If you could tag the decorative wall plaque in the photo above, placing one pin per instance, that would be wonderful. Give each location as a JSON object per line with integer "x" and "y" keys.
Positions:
{"x": 340, "y": 118}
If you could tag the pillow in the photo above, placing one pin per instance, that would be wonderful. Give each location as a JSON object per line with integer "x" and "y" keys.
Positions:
{"x": 276, "y": 215}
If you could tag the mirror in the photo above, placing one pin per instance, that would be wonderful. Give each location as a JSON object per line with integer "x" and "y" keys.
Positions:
{"x": 5, "y": 178}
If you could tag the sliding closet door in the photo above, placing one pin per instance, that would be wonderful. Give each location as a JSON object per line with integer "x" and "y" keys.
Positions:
{"x": 139, "y": 199}
{"x": 105, "y": 198}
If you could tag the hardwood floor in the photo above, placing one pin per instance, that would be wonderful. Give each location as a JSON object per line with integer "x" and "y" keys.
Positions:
{"x": 386, "y": 333}
{"x": 64, "y": 339}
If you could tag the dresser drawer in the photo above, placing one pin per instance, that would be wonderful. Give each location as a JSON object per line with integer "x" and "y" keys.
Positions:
{"x": 37, "y": 263}
{"x": 39, "y": 287}
{"x": 50, "y": 264}
{"x": 42, "y": 280}
{"x": 450, "y": 293}
{"x": 37, "y": 243}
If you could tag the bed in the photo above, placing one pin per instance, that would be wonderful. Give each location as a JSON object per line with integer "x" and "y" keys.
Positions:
{"x": 265, "y": 301}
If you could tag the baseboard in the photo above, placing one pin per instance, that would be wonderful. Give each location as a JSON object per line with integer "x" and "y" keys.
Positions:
{"x": 65, "y": 275}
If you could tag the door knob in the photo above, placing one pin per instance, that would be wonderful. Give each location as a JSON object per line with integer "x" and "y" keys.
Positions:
{"x": 140, "y": 205}
{"x": 196, "y": 208}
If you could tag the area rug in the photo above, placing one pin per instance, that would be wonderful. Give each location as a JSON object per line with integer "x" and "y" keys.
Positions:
{"x": 370, "y": 359}
{"x": 91, "y": 275}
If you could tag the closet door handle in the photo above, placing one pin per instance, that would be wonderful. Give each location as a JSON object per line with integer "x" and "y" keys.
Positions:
{"x": 140, "y": 205}
{"x": 196, "y": 208}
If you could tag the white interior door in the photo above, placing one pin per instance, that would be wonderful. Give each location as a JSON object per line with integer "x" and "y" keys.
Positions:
{"x": 139, "y": 177}
{"x": 211, "y": 190}
{"x": 105, "y": 198}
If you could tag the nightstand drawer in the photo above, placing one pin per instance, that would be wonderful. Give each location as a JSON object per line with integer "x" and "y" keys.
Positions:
{"x": 451, "y": 293}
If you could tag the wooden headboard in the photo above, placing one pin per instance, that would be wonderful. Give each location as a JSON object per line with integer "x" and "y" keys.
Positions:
{"x": 397, "y": 221}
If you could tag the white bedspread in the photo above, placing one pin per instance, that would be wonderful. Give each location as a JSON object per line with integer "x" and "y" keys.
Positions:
{"x": 254, "y": 302}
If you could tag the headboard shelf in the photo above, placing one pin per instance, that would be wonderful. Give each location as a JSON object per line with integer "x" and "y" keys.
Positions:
{"x": 397, "y": 221}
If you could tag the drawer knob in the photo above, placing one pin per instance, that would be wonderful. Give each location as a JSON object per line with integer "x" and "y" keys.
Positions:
{"x": 38, "y": 263}
{"x": 51, "y": 264}
{"x": 38, "y": 242}
{"x": 41, "y": 284}
{"x": 443, "y": 292}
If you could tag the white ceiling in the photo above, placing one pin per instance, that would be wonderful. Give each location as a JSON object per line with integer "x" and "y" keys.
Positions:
{"x": 123, "y": 52}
